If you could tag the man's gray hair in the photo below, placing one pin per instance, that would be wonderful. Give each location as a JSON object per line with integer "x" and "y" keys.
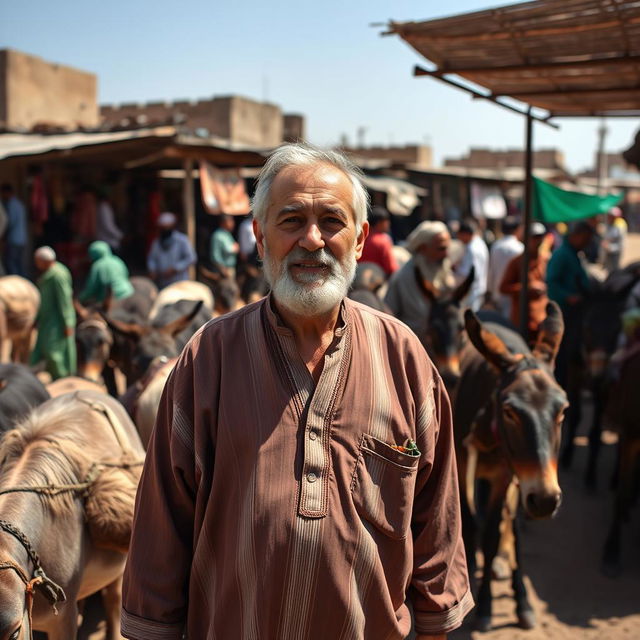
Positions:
{"x": 300, "y": 155}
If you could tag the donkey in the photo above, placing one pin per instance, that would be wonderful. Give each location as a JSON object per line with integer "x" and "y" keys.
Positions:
{"x": 68, "y": 475}
{"x": 508, "y": 411}
{"x": 19, "y": 304}
{"x": 623, "y": 409}
{"x": 601, "y": 328}
{"x": 445, "y": 337}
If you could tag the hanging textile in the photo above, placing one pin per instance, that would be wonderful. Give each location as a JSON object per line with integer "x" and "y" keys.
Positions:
{"x": 223, "y": 191}
{"x": 552, "y": 204}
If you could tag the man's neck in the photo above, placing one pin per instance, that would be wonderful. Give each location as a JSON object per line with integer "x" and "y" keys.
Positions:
{"x": 312, "y": 334}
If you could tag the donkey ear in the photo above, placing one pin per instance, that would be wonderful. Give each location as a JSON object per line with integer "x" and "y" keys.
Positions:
{"x": 488, "y": 343}
{"x": 425, "y": 286}
{"x": 129, "y": 329}
{"x": 176, "y": 326}
{"x": 463, "y": 288}
{"x": 549, "y": 335}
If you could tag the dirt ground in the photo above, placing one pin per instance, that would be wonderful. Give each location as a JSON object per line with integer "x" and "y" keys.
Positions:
{"x": 571, "y": 597}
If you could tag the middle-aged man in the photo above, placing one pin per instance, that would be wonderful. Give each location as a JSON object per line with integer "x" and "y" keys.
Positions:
{"x": 378, "y": 247}
{"x": 475, "y": 256}
{"x": 511, "y": 284}
{"x": 568, "y": 284}
{"x": 15, "y": 238}
{"x": 171, "y": 254}
{"x": 502, "y": 252}
{"x": 315, "y": 505}
{"x": 614, "y": 238}
{"x": 429, "y": 244}
{"x": 56, "y": 319}
{"x": 223, "y": 248}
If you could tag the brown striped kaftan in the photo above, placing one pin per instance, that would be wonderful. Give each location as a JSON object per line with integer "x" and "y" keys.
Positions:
{"x": 272, "y": 508}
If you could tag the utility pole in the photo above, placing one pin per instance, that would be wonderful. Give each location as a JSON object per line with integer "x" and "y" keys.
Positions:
{"x": 602, "y": 169}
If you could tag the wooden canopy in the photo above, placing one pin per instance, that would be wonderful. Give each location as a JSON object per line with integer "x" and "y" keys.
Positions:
{"x": 568, "y": 57}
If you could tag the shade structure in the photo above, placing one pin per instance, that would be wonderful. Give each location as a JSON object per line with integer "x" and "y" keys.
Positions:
{"x": 568, "y": 57}
{"x": 565, "y": 58}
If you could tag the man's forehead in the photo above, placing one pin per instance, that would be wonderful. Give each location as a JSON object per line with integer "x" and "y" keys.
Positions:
{"x": 312, "y": 179}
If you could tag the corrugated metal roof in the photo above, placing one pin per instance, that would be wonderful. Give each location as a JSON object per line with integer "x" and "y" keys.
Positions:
{"x": 13, "y": 145}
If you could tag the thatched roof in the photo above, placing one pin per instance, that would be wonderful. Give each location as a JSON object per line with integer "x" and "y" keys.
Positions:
{"x": 569, "y": 57}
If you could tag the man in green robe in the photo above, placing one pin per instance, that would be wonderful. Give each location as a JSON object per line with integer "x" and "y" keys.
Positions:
{"x": 56, "y": 318}
{"x": 108, "y": 273}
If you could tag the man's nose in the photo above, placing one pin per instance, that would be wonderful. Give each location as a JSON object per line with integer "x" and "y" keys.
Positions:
{"x": 312, "y": 238}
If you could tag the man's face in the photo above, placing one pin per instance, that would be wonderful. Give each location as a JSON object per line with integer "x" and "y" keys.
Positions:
{"x": 582, "y": 239}
{"x": 465, "y": 237}
{"x": 437, "y": 248}
{"x": 309, "y": 241}
{"x": 534, "y": 244}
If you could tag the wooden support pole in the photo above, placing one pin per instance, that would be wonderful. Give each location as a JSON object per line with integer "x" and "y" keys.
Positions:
{"x": 189, "y": 208}
{"x": 528, "y": 192}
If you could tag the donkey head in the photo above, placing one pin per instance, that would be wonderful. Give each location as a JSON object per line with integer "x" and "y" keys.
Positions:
{"x": 445, "y": 335}
{"x": 528, "y": 406}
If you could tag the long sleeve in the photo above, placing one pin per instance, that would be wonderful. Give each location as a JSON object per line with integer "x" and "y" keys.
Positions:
{"x": 156, "y": 578}
{"x": 187, "y": 256}
{"x": 93, "y": 287}
{"x": 440, "y": 586}
{"x": 152, "y": 259}
{"x": 511, "y": 284}
{"x": 63, "y": 297}
{"x": 559, "y": 271}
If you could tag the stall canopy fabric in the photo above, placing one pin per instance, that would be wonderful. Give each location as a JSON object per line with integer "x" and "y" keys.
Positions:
{"x": 223, "y": 191}
{"x": 552, "y": 204}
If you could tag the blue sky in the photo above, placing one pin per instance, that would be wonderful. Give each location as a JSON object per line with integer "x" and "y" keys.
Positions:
{"x": 322, "y": 59}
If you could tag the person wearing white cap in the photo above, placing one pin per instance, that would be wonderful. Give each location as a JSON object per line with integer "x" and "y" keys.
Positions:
{"x": 56, "y": 319}
{"x": 171, "y": 253}
{"x": 429, "y": 243}
{"x": 613, "y": 241}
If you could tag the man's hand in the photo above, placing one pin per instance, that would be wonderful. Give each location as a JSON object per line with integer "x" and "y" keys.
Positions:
{"x": 169, "y": 272}
{"x": 422, "y": 636}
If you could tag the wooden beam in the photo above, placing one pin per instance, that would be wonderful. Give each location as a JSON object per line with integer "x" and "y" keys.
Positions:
{"x": 567, "y": 92}
{"x": 189, "y": 208}
{"x": 506, "y": 34}
{"x": 547, "y": 66}
{"x": 419, "y": 71}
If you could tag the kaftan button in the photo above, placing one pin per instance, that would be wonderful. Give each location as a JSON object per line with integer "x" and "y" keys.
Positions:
{"x": 312, "y": 477}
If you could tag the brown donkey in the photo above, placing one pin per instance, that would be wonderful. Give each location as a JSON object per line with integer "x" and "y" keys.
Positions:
{"x": 68, "y": 475}
{"x": 508, "y": 412}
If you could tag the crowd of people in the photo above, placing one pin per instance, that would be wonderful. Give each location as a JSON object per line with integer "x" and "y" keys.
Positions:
{"x": 349, "y": 382}
{"x": 442, "y": 256}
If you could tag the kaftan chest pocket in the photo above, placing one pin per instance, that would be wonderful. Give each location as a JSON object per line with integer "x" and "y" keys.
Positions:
{"x": 383, "y": 486}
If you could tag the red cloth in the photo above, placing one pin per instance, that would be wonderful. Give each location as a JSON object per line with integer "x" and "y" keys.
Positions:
{"x": 378, "y": 249}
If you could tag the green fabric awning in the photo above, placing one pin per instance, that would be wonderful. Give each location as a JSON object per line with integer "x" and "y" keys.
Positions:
{"x": 552, "y": 204}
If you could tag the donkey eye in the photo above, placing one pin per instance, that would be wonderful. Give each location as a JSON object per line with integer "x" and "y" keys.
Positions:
{"x": 16, "y": 634}
{"x": 510, "y": 414}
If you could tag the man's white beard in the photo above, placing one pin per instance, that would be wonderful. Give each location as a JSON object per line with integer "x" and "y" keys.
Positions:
{"x": 312, "y": 293}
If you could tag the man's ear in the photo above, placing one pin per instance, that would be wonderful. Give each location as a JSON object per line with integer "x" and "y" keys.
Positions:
{"x": 257, "y": 231}
{"x": 364, "y": 232}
